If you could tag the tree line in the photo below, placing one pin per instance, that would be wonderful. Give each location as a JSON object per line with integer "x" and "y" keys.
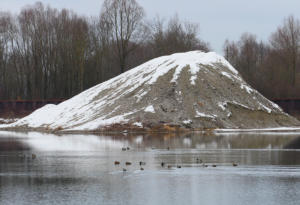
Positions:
{"x": 271, "y": 67}
{"x": 48, "y": 53}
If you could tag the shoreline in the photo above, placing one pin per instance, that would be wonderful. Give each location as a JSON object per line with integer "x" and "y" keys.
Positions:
{"x": 286, "y": 130}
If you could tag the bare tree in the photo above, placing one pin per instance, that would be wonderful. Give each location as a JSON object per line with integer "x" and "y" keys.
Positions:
{"x": 5, "y": 30}
{"x": 175, "y": 37}
{"x": 231, "y": 52}
{"x": 286, "y": 41}
{"x": 252, "y": 60}
{"x": 124, "y": 19}
{"x": 248, "y": 59}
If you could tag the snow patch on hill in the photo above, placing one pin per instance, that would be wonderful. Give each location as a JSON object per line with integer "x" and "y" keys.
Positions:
{"x": 194, "y": 88}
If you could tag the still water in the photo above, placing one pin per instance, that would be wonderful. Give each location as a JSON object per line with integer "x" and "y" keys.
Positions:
{"x": 80, "y": 169}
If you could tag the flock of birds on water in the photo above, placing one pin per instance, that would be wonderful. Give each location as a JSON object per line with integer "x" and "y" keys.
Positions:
{"x": 164, "y": 164}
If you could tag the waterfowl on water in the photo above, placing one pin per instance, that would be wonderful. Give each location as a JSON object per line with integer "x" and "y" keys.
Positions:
{"x": 142, "y": 169}
{"x": 142, "y": 163}
{"x": 127, "y": 163}
{"x": 124, "y": 170}
{"x": 178, "y": 166}
{"x": 214, "y": 165}
{"x": 234, "y": 164}
{"x": 117, "y": 162}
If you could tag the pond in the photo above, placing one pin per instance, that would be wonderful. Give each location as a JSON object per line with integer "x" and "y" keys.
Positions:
{"x": 38, "y": 168}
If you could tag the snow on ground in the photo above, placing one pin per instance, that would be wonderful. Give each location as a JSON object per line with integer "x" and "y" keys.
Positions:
{"x": 265, "y": 107}
{"x": 239, "y": 104}
{"x": 102, "y": 121}
{"x": 8, "y": 120}
{"x": 247, "y": 88}
{"x": 222, "y": 105}
{"x": 227, "y": 75}
{"x": 95, "y": 107}
{"x": 187, "y": 121}
{"x": 200, "y": 114}
{"x": 277, "y": 129}
{"x": 150, "y": 108}
{"x": 138, "y": 124}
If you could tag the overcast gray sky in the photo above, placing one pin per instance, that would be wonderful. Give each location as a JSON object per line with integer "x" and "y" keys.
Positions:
{"x": 218, "y": 19}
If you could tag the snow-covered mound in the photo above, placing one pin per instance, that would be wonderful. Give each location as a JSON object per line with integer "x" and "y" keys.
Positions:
{"x": 7, "y": 120}
{"x": 185, "y": 90}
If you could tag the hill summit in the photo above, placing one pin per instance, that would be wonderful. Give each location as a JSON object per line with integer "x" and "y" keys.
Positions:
{"x": 193, "y": 90}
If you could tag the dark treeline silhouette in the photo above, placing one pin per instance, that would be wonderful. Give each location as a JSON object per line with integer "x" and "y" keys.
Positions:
{"x": 48, "y": 53}
{"x": 271, "y": 67}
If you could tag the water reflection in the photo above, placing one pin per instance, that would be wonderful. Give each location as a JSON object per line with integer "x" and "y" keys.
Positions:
{"x": 79, "y": 169}
{"x": 293, "y": 144}
{"x": 51, "y": 142}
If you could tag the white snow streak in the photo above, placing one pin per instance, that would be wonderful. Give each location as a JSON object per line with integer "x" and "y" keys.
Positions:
{"x": 187, "y": 121}
{"x": 227, "y": 75}
{"x": 138, "y": 124}
{"x": 88, "y": 110}
{"x": 222, "y": 105}
{"x": 150, "y": 108}
{"x": 247, "y": 88}
{"x": 265, "y": 108}
{"x": 200, "y": 114}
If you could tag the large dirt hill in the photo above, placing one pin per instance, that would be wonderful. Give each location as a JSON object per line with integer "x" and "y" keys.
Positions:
{"x": 193, "y": 90}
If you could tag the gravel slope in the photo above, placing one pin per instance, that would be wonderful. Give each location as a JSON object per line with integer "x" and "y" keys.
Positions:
{"x": 193, "y": 90}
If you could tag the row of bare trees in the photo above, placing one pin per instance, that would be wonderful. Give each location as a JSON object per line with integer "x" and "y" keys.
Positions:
{"x": 49, "y": 53}
{"x": 271, "y": 67}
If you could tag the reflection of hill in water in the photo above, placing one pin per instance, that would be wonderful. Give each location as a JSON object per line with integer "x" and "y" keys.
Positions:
{"x": 242, "y": 141}
{"x": 50, "y": 142}
{"x": 7, "y": 144}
